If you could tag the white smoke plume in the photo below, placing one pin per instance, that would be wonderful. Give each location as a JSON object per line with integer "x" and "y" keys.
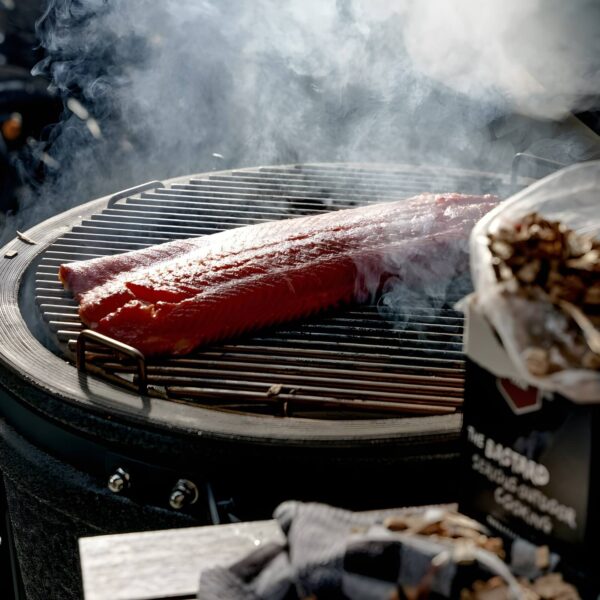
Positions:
{"x": 158, "y": 89}
{"x": 542, "y": 55}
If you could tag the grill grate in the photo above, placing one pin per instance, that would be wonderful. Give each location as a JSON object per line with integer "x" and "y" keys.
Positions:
{"x": 342, "y": 364}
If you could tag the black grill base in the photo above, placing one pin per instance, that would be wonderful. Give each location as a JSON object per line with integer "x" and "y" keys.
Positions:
{"x": 51, "y": 504}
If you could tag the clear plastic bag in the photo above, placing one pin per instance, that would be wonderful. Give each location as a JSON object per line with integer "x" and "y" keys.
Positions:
{"x": 572, "y": 197}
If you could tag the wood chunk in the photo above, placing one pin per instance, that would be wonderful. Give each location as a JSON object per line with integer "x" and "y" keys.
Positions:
{"x": 274, "y": 390}
{"x": 545, "y": 261}
{"x": 537, "y": 361}
{"x": 396, "y": 523}
{"x": 547, "y": 587}
{"x": 592, "y": 295}
{"x": 553, "y": 587}
{"x": 542, "y": 557}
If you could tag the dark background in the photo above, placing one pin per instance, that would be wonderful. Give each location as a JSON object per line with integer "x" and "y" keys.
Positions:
{"x": 23, "y": 94}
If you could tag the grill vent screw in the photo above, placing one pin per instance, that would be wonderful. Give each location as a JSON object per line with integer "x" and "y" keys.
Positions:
{"x": 184, "y": 493}
{"x": 118, "y": 481}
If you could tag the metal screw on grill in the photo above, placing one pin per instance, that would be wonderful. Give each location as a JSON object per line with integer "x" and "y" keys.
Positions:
{"x": 184, "y": 493}
{"x": 118, "y": 481}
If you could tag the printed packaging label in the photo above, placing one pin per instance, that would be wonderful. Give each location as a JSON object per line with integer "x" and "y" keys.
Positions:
{"x": 528, "y": 464}
{"x": 525, "y": 468}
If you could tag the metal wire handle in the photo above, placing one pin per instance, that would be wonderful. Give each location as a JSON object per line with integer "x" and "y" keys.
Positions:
{"x": 103, "y": 340}
{"x": 539, "y": 161}
{"x": 150, "y": 185}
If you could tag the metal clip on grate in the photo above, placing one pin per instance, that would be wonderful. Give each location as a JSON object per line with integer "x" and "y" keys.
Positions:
{"x": 103, "y": 340}
{"x": 138, "y": 189}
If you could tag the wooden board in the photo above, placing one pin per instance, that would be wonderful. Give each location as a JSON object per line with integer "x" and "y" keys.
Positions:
{"x": 155, "y": 565}
{"x": 164, "y": 564}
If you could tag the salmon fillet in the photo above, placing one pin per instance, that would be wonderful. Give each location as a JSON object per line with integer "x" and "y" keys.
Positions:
{"x": 174, "y": 297}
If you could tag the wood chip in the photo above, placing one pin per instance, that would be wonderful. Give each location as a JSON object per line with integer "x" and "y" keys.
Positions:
{"x": 537, "y": 361}
{"x": 446, "y": 524}
{"x": 591, "y": 360}
{"x": 26, "y": 239}
{"x": 396, "y": 523}
{"x": 546, "y": 262}
{"x": 274, "y": 390}
{"x": 592, "y": 295}
{"x": 547, "y": 587}
{"x": 542, "y": 557}
{"x": 553, "y": 587}
{"x": 592, "y": 335}
{"x": 529, "y": 272}
{"x": 465, "y": 534}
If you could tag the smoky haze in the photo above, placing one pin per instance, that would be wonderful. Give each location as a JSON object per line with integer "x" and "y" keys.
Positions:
{"x": 543, "y": 56}
{"x": 158, "y": 89}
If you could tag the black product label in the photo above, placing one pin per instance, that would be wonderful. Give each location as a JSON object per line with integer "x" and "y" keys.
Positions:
{"x": 526, "y": 462}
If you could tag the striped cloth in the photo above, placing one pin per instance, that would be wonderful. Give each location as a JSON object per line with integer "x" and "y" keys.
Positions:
{"x": 336, "y": 554}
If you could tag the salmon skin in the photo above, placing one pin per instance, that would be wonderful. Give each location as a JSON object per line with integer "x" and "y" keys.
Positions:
{"x": 174, "y": 297}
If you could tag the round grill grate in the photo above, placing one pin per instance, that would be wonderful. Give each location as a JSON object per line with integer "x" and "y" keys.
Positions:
{"x": 348, "y": 364}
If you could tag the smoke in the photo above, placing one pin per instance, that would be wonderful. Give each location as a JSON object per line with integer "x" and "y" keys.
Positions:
{"x": 158, "y": 89}
{"x": 542, "y": 56}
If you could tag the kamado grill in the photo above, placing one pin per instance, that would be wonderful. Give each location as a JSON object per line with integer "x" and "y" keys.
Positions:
{"x": 346, "y": 407}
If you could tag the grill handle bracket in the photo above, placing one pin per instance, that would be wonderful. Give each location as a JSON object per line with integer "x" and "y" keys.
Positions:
{"x": 521, "y": 157}
{"x": 150, "y": 185}
{"x": 87, "y": 335}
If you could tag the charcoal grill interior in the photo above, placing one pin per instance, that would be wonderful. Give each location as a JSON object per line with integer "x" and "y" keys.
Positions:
{"x": 345, "y": 364}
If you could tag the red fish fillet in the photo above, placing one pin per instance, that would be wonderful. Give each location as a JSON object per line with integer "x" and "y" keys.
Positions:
{"x": 174, "y": 297}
